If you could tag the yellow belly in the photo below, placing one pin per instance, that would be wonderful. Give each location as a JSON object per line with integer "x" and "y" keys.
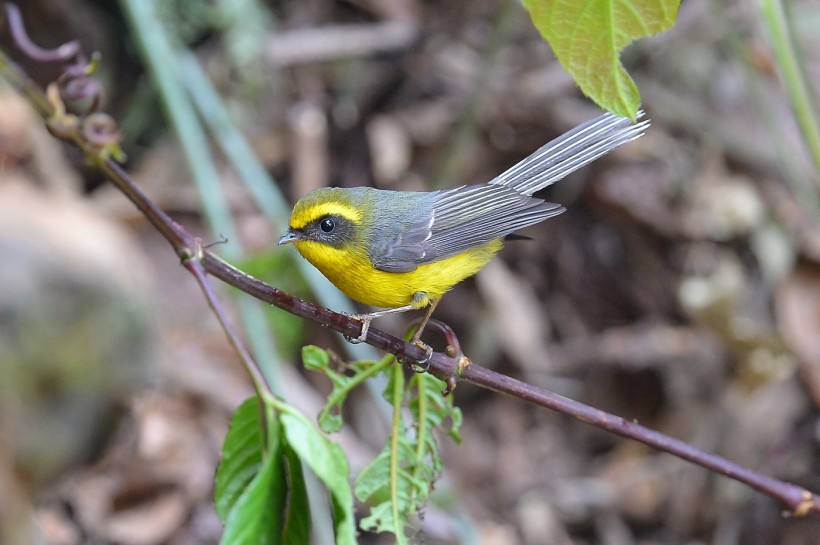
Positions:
{"x": 352, "y": 273}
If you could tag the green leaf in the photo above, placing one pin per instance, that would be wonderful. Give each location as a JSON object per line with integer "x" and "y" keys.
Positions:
{"x": 375, "y": 485}
{"x": 327, "y": 460}
{"x": 316, "y": 359}
{"x": 381, "y": 520}
{"x": 256, "y": 517}
{"x": 386, "y": 476}
{"x": 587, "y": 36}
{"x": 241, "y": 457}
{"x": 398, "y": 482}
{"x": 251, "y": 486}
{"x": 297, "y": 523}
{"x": 373, "y": 482}
{"x": 431, "y": 411}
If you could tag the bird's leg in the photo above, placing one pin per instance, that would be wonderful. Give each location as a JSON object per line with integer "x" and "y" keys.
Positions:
{"x": 420, "y": 367}
{"x": 430, "y": 308}
{"x": 365, "y": 319}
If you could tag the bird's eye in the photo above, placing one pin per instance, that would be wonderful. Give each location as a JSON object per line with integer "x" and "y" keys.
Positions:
{"x": 327, "y": 225}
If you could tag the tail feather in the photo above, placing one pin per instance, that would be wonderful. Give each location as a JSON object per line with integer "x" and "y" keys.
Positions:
{"x": 570, "y": 151}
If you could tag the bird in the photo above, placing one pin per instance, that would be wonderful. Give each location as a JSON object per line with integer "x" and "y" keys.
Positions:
{"x": 403, "y": 250}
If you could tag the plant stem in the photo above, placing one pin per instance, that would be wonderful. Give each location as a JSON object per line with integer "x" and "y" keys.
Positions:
{"x": 397, "y": 428}
{"x": 794, "y": 74}
{"x": 799, "y": 500}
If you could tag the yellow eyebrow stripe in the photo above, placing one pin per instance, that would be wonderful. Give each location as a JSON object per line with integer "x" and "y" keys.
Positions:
{"x": 311, "y": 213}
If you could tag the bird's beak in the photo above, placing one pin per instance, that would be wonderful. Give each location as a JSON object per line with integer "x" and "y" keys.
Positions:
{"x": 289, "y": 238}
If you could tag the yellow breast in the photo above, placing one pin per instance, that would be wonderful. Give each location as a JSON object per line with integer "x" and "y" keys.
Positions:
{"x": 351, "y": 272}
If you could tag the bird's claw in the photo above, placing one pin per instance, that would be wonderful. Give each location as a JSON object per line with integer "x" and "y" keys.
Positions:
{"x": 365, "y": 320}
{"x": 423, "y": 365}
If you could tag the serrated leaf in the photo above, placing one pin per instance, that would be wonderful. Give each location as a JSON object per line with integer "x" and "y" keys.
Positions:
{"x": 373, "y": 484}
{"x": 314, "y": 358}
{"x": 241, "y": 457}
{"x": 588, "y": 36}
{"x": 390, "y": 501}
{"x": 386, "y": 484}
{"x": 327, "y": 460}
{"x": 431, "y": 412}
{"x": 380, "y": 519}
{"x": 398, "y": 482}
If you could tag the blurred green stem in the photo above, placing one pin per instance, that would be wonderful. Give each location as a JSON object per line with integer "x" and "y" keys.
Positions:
{"x": 798, "y": 177}
{"x": 396, "y": 429}
{"x": 162, "y": 60}
{"x": 794, "y": 75}
{"x": 263, "y": 188}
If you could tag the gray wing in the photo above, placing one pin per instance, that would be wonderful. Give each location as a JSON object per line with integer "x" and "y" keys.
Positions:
{"x": 452, "y": 221}
{"x": 456, "y": 220}
{"x": 469, "y": 216}
{"x": 401, "y": 247}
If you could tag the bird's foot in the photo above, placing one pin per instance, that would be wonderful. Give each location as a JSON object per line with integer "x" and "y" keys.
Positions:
{"x": 365, "y": 319}
{"x": 423, "y": 365}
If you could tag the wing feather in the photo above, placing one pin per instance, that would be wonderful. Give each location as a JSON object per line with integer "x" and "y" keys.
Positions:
{"x": 570, "y": 151}
{"x": 441, "y": 224}
{"x": 401, "y": 247}
{"x": 469, "y": 216}
{"x": 458, "y": 219}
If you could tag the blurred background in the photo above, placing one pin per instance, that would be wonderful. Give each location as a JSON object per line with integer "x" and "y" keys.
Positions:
{"x": 680, "y": 289}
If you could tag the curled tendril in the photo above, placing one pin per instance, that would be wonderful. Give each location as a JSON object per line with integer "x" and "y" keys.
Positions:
{"x": 101, "y": 133}
{"x": 76, "y": 87}
{"x": 63, "y": 53}
{"x": 75, "y": 97}
{"x": 453, "y": 350}
{"x": 453, "y": 346}
{"x": 100, "y": 129}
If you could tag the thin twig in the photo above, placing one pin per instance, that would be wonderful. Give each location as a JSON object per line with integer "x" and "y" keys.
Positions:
{"x": 799, "y": 500}
{"x": 194, "y": 266}
{"x": 264, "y": 392}
{"x": 65, "y": 52}
{"x": 310, "y": 45}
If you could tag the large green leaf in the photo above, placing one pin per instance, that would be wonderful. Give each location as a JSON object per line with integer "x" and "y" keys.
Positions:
{"x": 251, "y": 487}
{"x": 327, "y": 460}
{"x": 587, "y": 36}
{"x": 241, "y": 457}
{"x": 297, "y": 524}
{"x": 256, "y": 517}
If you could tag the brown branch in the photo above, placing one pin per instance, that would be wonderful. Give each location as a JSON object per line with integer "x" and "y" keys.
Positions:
{"x": 799, "y": 500}
{"x": 194, "y": 266}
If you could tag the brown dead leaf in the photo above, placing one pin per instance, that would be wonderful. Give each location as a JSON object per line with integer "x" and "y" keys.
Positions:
{"x": 797, "y": 304}
{"x": 520, "y": 321}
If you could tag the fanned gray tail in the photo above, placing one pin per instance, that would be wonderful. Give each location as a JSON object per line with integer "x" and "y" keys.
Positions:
{"x": 570, "y": 151}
